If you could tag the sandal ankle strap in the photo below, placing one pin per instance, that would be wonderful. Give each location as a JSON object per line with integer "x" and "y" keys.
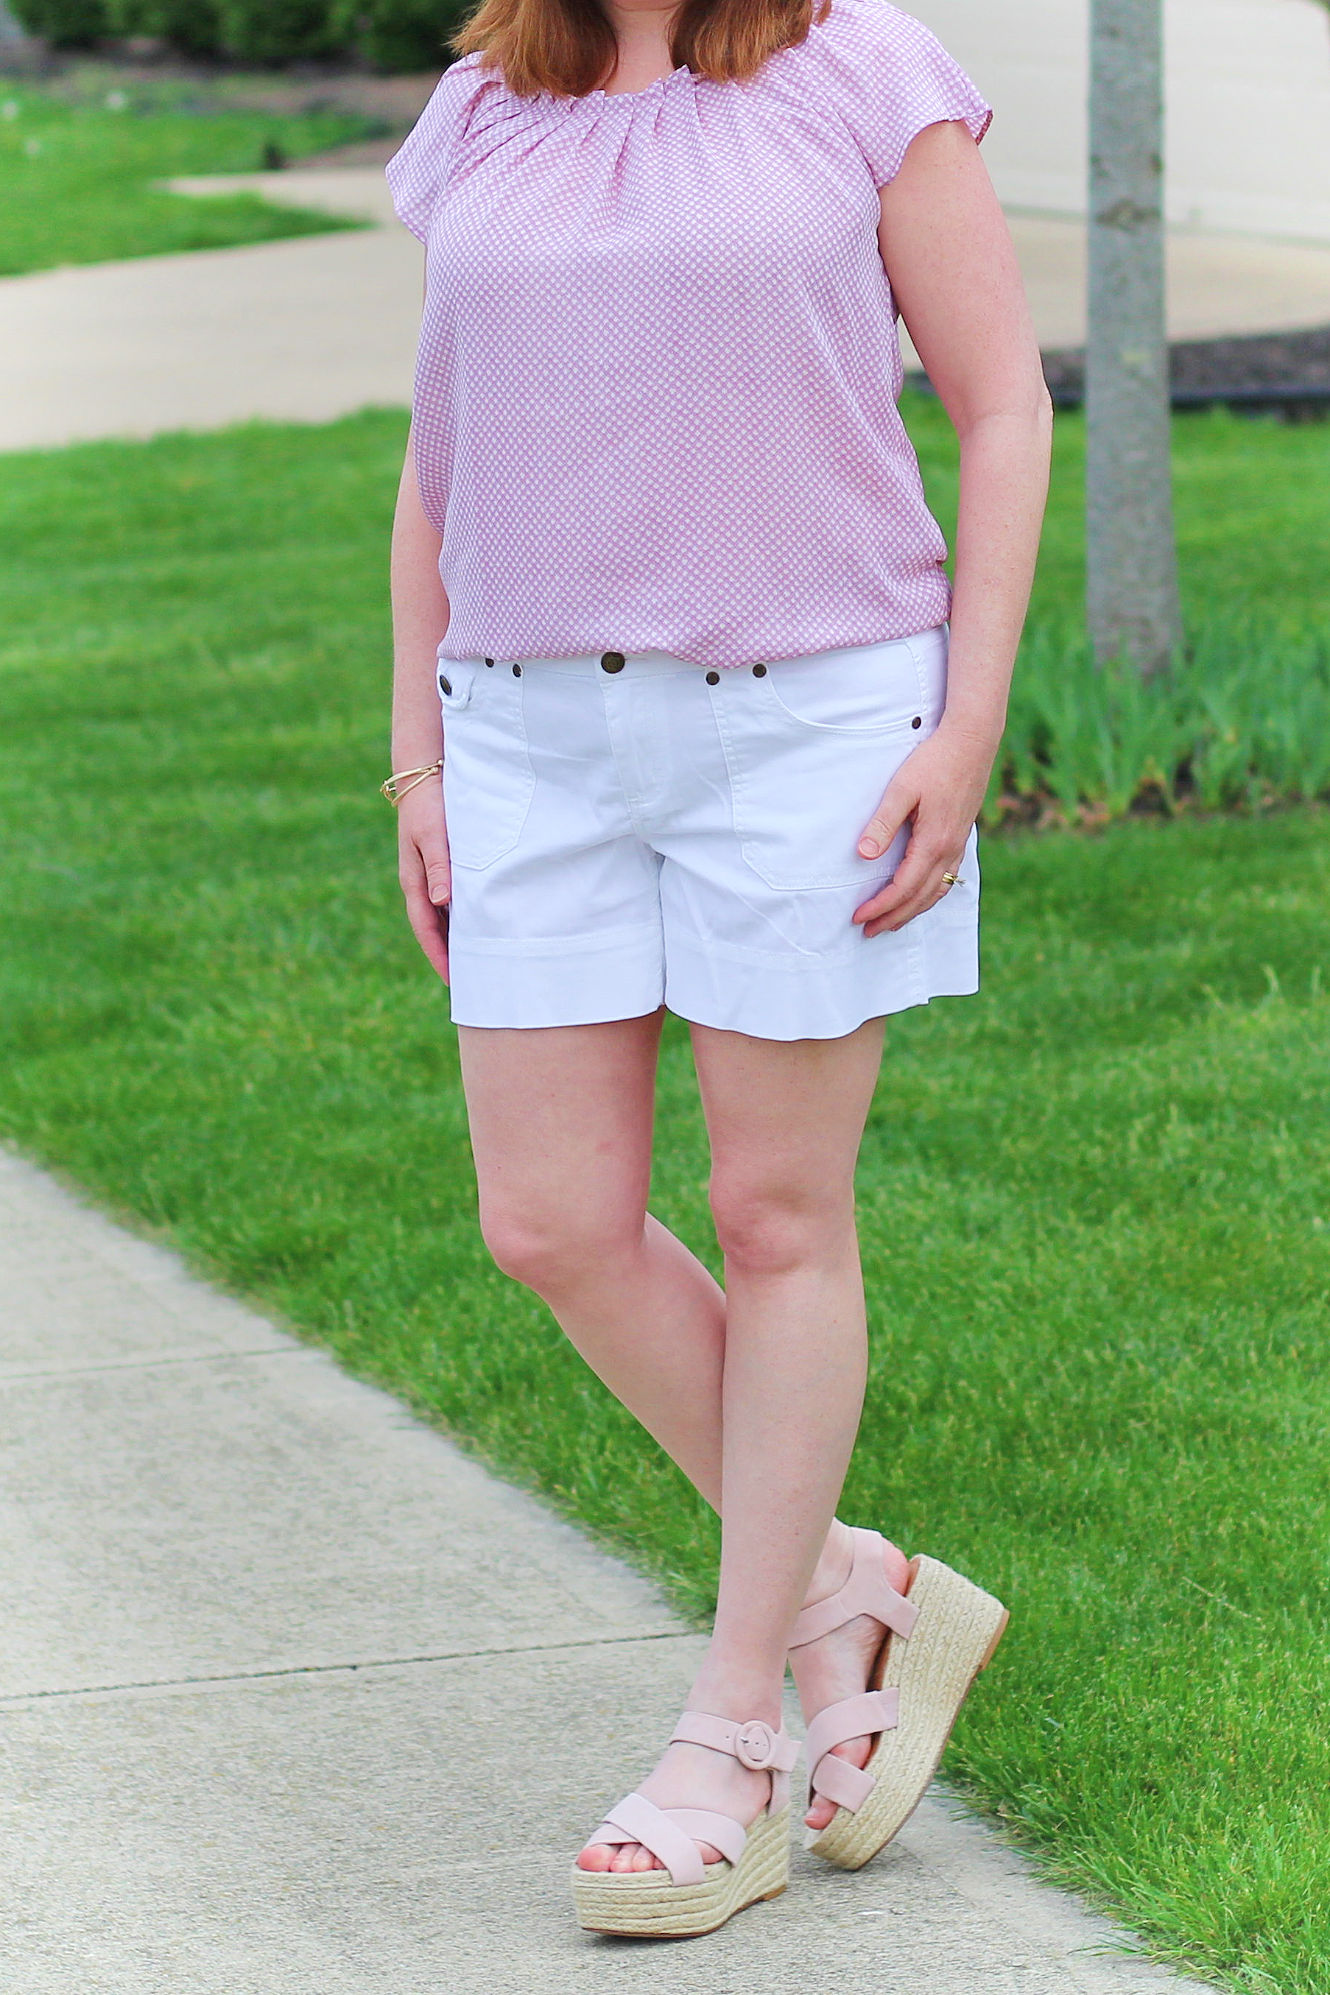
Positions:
{"x": 866, "y": 1591}
{"x": 755, "y": 1744}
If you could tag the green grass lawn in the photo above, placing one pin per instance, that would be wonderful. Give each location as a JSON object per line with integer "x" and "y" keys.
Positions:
{"x": 75, "y": 177}
{"x": 1095, "y": 1199}
{"x": 1246, "y": 716}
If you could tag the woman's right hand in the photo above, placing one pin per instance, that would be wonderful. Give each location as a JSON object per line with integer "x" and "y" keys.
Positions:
{"x": 424, "y": 870}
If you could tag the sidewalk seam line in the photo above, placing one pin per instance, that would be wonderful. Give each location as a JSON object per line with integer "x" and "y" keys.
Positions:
{"x": 153, "y": 1364}
{"x": 13, "y": 1697}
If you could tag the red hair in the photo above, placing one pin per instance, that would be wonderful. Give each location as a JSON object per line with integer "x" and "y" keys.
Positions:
{"x": 568, "y": 46}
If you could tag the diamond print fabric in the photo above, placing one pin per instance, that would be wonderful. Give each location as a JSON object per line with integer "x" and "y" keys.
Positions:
{"x": 655, "y": 396}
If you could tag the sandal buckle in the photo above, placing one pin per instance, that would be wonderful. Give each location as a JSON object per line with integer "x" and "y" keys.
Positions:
{"x": 755, "y": 1745}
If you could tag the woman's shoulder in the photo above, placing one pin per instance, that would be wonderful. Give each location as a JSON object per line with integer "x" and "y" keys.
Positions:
{"x": 419, "y": 169}
{"x": 889, "y": 76}
{"x": 453, "y": 96}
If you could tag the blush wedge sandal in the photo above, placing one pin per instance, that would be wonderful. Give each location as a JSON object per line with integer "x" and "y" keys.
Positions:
{"x": 938, "y": 1635}
{"x": 689, "y": 1897}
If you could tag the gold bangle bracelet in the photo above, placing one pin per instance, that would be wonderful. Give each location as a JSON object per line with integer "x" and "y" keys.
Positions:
{"x": 406, "y": 780}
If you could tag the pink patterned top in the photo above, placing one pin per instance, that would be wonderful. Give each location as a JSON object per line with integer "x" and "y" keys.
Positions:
{"x": 655, "y": 398}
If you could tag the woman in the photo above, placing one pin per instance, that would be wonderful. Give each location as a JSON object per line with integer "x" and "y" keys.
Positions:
{"x": 671, "y": 618}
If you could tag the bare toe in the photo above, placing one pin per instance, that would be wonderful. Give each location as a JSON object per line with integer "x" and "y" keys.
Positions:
{"x": 689, "y": 1776}
{"x": 857, "y": 1752}
{"x": 838, "y": 1665}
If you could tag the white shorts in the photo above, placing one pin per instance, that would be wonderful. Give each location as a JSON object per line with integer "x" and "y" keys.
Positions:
{"x": 631, "y": 831}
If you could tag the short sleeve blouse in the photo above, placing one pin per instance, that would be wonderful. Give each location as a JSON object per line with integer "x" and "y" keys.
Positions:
{"x": 655, "y": 403}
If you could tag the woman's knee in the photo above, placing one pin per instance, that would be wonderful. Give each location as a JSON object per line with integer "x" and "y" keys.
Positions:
{"x": 767, "y": 1227}
{"x": 552, "y": 1248}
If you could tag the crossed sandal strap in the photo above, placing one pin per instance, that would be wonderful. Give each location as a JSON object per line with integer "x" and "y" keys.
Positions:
{"x": 865, "y": 1592}
{"x": 871, "y": 1711}
{"x": 751, "y": 1741}
{"x": 673, "y": 1834}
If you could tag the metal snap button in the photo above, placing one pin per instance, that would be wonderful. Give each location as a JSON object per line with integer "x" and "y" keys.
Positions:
{"x": 613, "y": 661}
{"x": 918, "y": 721}
{"x": 713, "y": 678}
{"x": 489, "y": 661}
{"x": 445, "y": 685}
{"x": 517, "y": 671}
{"x": 759, "y": 671}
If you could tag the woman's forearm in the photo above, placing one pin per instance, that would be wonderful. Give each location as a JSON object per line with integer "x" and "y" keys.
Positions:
{"x": 1004, "y": 484}
{"x": 420, "y": 618}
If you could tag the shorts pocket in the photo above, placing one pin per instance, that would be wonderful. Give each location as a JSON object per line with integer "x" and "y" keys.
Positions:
{"x": 810, "y": 745}
{"x": 488, "y": 780}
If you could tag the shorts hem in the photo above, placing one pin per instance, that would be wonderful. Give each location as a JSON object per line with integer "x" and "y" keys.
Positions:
{"x": 516, "y": 983}
{"x": 800, "y": 998}
{"x": 826, "y": 1000}
{"x": 860, "y": 1015}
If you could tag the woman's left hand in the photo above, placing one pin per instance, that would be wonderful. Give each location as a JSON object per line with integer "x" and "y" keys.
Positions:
{"x": 940, "y": 787}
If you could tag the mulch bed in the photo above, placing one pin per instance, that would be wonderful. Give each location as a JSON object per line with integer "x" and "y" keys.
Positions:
{"x": 1287, "y": 374}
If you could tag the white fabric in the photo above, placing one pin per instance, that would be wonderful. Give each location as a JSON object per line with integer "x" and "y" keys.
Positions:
{"x": 664, "y": 835}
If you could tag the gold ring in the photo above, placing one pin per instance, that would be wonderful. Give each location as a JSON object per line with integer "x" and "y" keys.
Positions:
{"x": 952, "y": 880}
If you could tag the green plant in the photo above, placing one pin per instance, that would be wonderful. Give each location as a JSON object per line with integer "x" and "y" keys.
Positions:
{"x": 63, "y": 23}
{"x": 191, "y": 26}
{"x": 399, "y": 35}
{"x": 1243, "y": 719}
{"x": 269, "y": 33}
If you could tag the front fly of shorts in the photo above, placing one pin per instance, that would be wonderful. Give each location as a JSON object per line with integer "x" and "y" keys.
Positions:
{"x": 629, "y": 830}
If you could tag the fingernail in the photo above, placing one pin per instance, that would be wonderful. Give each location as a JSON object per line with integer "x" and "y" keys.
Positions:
{"x": 870, "y": 848}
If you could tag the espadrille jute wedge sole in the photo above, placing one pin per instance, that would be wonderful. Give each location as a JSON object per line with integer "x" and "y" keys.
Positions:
{"x": 688, "y": 1898}
{"x": 928, "y": 1676}
{"x": 649, "y": 1905}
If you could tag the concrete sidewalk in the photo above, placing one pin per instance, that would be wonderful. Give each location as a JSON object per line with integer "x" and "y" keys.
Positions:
{"x": 298, "y": 1701}
{"x": 316, "y": 327}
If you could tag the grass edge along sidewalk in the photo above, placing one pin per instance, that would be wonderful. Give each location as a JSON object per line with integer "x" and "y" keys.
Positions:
{"x": 77, "y": 179}
{"x": 1093, "y": 1198}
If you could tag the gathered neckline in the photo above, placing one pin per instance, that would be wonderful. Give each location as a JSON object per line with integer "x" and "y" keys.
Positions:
{"x": 656, "y": 88}
{"x": 656, "y": 85}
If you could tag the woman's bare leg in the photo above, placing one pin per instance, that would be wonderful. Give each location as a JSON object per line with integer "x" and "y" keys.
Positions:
{"x": 561, "y": 1124}
{"x": 785, "y": 1121}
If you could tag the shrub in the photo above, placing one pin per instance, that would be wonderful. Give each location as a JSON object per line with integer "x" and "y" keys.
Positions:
{"x": 190, "y": 26}
{"x": 400, "y": 35}
{"x": 268, "y": 33}
{"x": 63, "y": 23}
{"x": 388, "y": 35}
